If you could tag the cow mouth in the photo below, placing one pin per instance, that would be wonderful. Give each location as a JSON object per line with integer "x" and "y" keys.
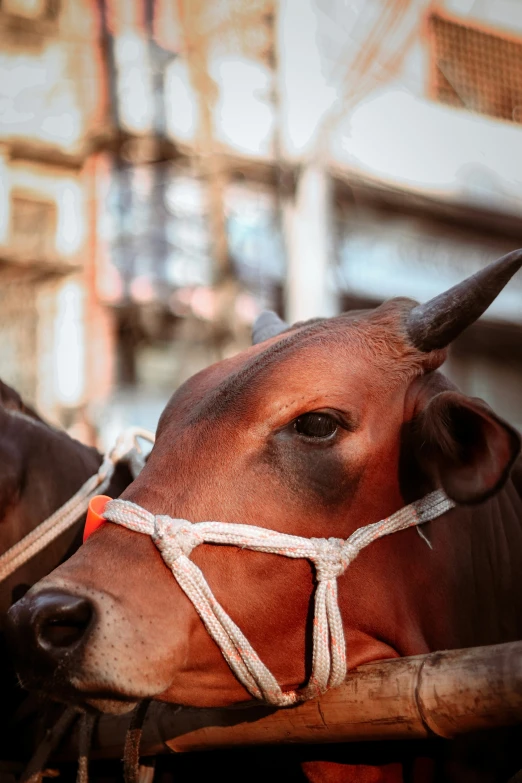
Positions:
{"x": 61, "y": 689}
{"x": 109, "y": 705}
{"x": 101, "y": 701}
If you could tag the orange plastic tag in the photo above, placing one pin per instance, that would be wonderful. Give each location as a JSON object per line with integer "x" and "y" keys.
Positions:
{"x": 95, "y": 517}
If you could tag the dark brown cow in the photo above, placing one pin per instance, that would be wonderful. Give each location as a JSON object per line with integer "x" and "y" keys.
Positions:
{"x": 40, "y": 468}
{"x": 317, "y": 431}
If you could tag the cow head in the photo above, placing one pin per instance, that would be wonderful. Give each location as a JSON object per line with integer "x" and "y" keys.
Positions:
{"x": 316, "y": 430}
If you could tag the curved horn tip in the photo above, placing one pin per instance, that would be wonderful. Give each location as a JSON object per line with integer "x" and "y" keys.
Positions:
{"x": 267, "y": 325}
{"x": 437, "y": 323}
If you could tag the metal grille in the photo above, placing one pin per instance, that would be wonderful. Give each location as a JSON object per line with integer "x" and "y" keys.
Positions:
{"x": 18, "y": 336}
{"x": 476, "y": 70}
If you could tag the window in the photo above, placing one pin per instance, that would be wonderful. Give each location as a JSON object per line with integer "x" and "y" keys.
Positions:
{"x": 476, "y": 69}
{"x": 31, "y": 9}
{"x": 33, "y": 228}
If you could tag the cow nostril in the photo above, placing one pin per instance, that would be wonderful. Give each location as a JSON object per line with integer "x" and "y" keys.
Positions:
{"x": 44, "y": 630}
{"x": 63, "y": 622}
{"x": 56, "y": 633}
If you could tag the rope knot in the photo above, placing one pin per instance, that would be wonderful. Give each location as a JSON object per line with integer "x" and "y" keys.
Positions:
{"x": 331, "y": 558}
{"x": 174, "y": 537}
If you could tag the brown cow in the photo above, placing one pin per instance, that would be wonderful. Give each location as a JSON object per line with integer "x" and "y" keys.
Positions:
{"x": 317, "y": 431}
{"x": 40, "y": 468}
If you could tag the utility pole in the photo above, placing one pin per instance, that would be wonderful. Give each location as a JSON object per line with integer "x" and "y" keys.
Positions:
{"x": 197, "y": 45}
{"x": 193, "y": 15}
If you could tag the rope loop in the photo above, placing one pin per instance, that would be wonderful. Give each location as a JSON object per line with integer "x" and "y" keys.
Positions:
{"x": 127, "y": 446}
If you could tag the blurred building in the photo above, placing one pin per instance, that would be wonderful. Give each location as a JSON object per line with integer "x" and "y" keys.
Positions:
{"x": 364, "y": 151}
{"x": 435, "y": 185}
{"x": 183, "y": 209}
{"x": 56, "y": 339}
{"x": 159, "y": 156}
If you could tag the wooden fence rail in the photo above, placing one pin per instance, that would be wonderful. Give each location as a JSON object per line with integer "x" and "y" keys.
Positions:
{"x": 442, "y": 694}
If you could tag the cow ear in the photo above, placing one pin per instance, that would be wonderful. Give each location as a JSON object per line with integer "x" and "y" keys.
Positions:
{"x": 470, "y": 448}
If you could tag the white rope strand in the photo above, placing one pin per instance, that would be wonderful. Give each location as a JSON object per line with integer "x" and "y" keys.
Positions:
{"x": 176, "y": 538}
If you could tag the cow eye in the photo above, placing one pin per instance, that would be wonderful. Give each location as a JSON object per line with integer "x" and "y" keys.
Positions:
{"x": 316, "y": 425}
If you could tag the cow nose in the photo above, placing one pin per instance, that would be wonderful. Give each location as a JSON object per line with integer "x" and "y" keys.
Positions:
{"x": 60, "y": 620}
{"x": 45, "y": 627}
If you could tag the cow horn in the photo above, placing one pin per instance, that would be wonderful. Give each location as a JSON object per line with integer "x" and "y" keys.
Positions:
{"x": 267, "y": 325}
{"x": 438, "y": 322}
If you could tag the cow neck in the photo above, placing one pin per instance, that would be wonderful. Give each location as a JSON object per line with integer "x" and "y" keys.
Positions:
{"x": 176, "y": 538}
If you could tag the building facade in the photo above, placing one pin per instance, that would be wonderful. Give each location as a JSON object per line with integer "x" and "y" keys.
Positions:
{"x": 322, "y": 155}
{"x": 52, "y": 120}
{"x": 359, "y": 160}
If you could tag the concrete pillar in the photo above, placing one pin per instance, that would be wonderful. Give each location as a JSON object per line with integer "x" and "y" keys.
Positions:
{"x": 310, "y": 247}
{"x": 301, "y": 112}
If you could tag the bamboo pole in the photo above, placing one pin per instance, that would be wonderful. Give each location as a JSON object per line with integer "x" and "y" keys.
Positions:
{"x": 441, "y": 694}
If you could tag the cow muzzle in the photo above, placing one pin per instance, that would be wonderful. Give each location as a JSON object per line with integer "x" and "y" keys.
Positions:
{"x": 45, "y": 629}
{"x": 73, "y": 643}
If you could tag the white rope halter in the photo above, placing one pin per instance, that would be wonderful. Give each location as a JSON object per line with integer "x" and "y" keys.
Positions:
{"x": 126, "y": 449}
{"x": 176, "y": 538}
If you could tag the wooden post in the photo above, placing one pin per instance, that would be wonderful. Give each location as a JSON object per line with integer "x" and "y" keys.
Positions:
{"x": 442, "y": 694}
